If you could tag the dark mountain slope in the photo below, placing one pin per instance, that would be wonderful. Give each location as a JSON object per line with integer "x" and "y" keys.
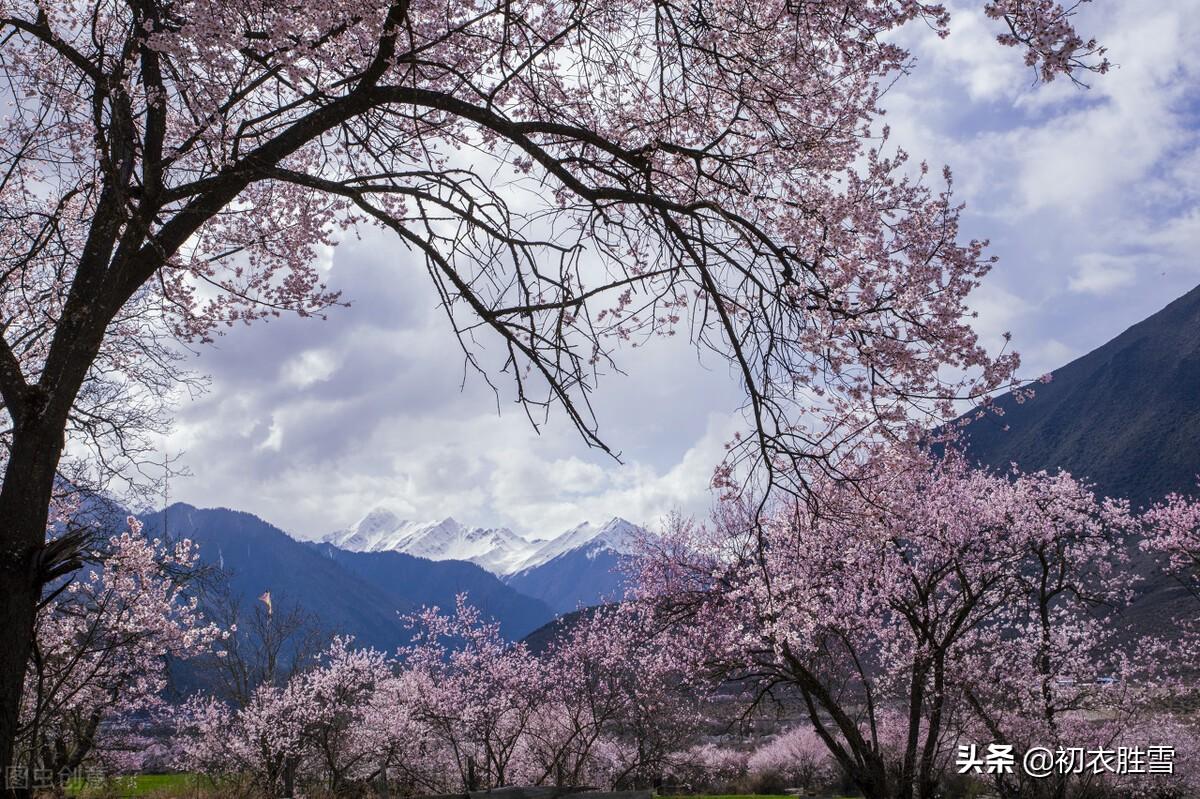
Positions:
{"x": 579, "y": 578}
{"x": 416, "y": 581}
{"x": 357, "y": 594}
{"x": 259, "y": 557}
{"x": 1126, "y": 416}
{"x": 540, "y": 640}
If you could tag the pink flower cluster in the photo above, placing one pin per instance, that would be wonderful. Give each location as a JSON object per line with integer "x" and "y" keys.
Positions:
{"x": 101, "y": 654}
{"x": 461, "y": 709}
{"x": 922, "y": 603}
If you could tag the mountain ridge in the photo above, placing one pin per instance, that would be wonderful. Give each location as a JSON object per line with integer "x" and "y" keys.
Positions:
{"x": 496, "y": 549}
{"x": 367, "y": 602}
{"x": 1124, "y": 417}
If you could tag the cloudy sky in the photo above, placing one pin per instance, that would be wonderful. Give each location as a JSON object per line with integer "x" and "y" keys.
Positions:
{"x": 1090, "y": 198}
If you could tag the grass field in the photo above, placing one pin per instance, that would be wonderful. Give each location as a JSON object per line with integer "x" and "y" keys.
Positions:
{"x": 135, "y": 786}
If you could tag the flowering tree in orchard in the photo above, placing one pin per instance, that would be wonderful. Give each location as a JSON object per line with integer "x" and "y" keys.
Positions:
{"x": 583, "y": 697}
{"x": 624, "y": 697}
{"x": 348, "y": 720}
{"x": 478, "y": 693}
{"x": 345, "y": 718}
{"x": 947, "y": 606}
{"x": 354, "y": 716}
{"x": 797, "y": 757}
{"x": 334, "y": 697}
{"x": 403, "y": 756}
{"x": 1059, "y": 653}
{"x": 101, "y": 648}
{"x": 173, "y": 167}
{"x": 610, "y": 701}
{"x": 613, "y": 701}
{"x": 259, "y": 745}
{"x": 1174, "y": 537}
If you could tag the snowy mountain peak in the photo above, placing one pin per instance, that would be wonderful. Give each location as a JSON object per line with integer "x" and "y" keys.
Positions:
{"x": 620, "y": 535}
{"x": 378, "y": 519}
{"x": 497, "y": 549}
{"x": 616, "y": 535}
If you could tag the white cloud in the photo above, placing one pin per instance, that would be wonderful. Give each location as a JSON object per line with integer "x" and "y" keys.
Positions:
{"x": 999, "y": 312}
{"x": 309, "y": 367}
{"x": 1089, "y": 197}
{"x": 969, "y": 55}
{"x": 274, "y": 439}
{"x": 1101, "y": 274}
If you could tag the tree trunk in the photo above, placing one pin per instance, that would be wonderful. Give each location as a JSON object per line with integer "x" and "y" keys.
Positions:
{"x": 19, "y": 593}
{"x": 24, "y": 507}
{"x": 289, "y": 778}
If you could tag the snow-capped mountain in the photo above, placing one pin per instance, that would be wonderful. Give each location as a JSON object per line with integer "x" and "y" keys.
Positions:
{"x": 578, "y": 567}
{"x": 497, "y": 549}
{"x": 581, "y": 567}
{"x": 349, "y": 593}
{"x": 615, "y": 535}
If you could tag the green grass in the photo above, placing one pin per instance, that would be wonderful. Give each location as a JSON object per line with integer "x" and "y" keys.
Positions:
{"x": 135, "y": 785}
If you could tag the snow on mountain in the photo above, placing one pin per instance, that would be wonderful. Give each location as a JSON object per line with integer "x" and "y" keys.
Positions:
{"x": 615, "y": 535}
{"x": 497, "y": 549}
{"x": 580, "y": 568}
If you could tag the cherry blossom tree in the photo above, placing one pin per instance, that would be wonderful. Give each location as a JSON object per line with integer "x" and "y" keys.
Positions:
{"x": 942, "y": 605}
{"x": 256, "y": 747}
{"x": 478, "y": 693}
{"x": 795, "y": 758}
{"x": 1058, "y": 656}
{"x": 1181, "y": 733}
{"x": 713, "y": 768}
{"x": 335, "y": 697}
{"x": 611, "y": 702}
{"x": 101, "y": 649}
{"x": 171, "y": 168}
{"x": 582, "y": 699}
{"x": 404, "y": 757}
{"x": 1173, "y": 536}
{"x": 622, "y": 700}
{"x": 347, "y": 717}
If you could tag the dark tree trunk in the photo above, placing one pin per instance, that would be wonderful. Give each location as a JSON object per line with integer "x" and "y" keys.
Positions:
{"x": 289, "y": 778}
{"x": 18, "y": 599}
{"x": 24, "y": 507}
